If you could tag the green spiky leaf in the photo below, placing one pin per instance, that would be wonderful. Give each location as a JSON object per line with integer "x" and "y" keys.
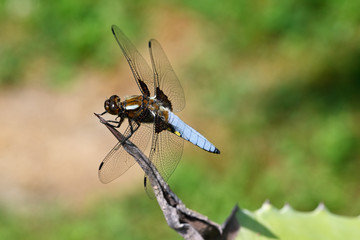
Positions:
{"x": 287, "y": 224}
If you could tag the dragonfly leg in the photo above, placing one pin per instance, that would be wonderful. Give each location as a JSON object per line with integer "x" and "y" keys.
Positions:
{"x": 132, "y": 122}
{"x": 117, "y": 123}
{"x": 134, "y": 125}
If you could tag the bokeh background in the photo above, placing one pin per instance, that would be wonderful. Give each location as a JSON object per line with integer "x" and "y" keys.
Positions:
{"x": 275, "y": 85}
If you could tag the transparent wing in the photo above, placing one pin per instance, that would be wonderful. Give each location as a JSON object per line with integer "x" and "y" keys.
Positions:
{"x": 165, "y": 77}
{"x": 166, "y": 151}
{"x": 139, "y": 67}
{"x": 118, "y": 161}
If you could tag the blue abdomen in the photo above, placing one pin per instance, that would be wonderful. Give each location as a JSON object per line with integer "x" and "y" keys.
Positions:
{"x": 190, "y": 134}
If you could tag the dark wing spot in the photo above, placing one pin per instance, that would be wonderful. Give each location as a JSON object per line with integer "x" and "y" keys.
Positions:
{"x": 112, "y": 29}
{"x": 163, "y": 98}
{"x": 144, "y": 88}
{"x": 160, "y": 125}
{"x": 102, "y": 163}
{"x": 145, "y": 179}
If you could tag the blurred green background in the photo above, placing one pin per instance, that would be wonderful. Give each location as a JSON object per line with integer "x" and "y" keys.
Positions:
{"x": 275, "y": 85}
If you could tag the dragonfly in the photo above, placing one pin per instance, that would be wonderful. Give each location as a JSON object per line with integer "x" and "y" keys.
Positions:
{"x": 151, "y": 115}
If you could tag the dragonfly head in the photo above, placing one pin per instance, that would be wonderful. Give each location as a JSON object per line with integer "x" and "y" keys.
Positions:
{"x": 112, "y": 105}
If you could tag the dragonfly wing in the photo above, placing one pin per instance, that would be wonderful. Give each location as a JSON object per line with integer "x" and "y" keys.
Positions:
{"x": 165, "y": 79}
{"x": 165, "y": 153}
{"x": 118, "y": 161}
{"x": 139, "y": 67}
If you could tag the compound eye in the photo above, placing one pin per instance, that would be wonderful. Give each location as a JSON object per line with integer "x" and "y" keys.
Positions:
{"x": 107, "y": 105}
{"x": 113, "y": 106}
{"x": 115, "y": 99}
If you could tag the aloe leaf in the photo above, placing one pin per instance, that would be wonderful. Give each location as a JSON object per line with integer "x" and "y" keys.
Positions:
{"x": 269, "y": 222}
